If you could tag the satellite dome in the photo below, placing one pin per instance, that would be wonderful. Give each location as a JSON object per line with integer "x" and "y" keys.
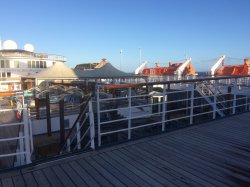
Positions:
{"x": 29, "y": 47}
{"x": 9, "y": 44}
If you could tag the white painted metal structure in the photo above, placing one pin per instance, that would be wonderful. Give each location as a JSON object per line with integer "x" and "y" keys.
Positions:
{"x": 24, "y": 139}
{"x": 17, "y": 63}
{"x": 216, "y": 65}
{"x": 187, "y": 104}
{"x": 162, "y": 116}
{"x": 181, "y": 68}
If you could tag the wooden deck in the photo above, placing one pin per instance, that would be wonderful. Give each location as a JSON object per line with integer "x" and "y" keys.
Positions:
{"x": 211, "y": 154}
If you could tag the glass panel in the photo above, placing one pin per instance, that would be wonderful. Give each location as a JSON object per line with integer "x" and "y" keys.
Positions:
{"x": 37, "y": 64}
{"x": 33, "y": 64}
{"x": 7, "y": 64}
{"x": 29, "y": 64}
{"x": 2, "y": 63}
{"x": 16, "y": 64}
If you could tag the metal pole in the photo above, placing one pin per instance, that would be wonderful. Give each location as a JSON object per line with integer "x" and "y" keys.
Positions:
{"x": 78, "y": 136}
{"x": 27, "y": 136}
{"x": 92, "y": 125}
{"x": 192, "y": 104}
{"x": 234, "y": 92}
{"x": 215, "y": 96}
{"x": 164, "y": 100}
{"x": 98, "y": 115}
{"x": 62, "y": 130}
{"x": 129, "y": 114}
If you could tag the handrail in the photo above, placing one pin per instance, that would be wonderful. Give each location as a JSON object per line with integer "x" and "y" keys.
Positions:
{"x": 85, "y": 107}
{"x": 167, "y": 106}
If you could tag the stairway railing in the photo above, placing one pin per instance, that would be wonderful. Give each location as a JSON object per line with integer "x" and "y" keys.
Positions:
{"x": 81, "y": 135}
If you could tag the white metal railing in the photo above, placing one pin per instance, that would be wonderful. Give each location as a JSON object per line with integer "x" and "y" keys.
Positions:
{"x": 181, "y": 106}
{"x": 82, "y": 134}
{"x": 22, "y": 138}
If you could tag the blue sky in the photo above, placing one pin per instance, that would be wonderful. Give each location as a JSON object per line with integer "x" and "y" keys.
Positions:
{"x": 166, "y": 30}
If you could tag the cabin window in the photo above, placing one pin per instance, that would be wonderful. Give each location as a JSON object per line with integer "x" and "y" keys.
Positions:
{"x": 37, "y": 64}
{"x": 16, "y": 64}
{"x": 41, "y": 64}
{"x": 8, "y": 74}
{"x": 7, "y": 64}
{"x": 29, "y": 64}
{"x": 45, "y": 64}
{"x": 2, "y": 63}
{"x": 33, "y": 64}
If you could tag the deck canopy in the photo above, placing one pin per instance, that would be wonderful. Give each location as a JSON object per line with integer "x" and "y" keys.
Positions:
{"x": 105, "y": 72}
{"x": 58, "y": 71}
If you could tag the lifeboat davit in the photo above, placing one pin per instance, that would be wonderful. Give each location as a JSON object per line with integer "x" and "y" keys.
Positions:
{"x": 230, "y": 70}
{"x": 171, "y": 70}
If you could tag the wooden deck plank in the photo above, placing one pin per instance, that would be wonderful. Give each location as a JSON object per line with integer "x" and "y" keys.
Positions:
{"x": 7, "y": 182}
{"x": 18, "y": 181}
{"x": 146, "y": 168}
{"x": 213, "y": 151}
{"x": 189, "y": 150}
{"x": 65, "y": 180}
{"x": 84, "y": 174}
{"x": 219, "y": 172}
{"x": 104, "y": 172}
{"x": 203, "y": 169}
{"x": 135, "y": 170}
{"x": 73, "y": 175}
{"x": 41, "y": 178}
{"x": 216, "y": 153}
{"x": 94, "y": 173}
{"x": 190, "y": 172}
{"x": 228, "y": 147}
{"x": 176, "y": 178}
{"x": 232, "y": 172}
{"x": 29, "y": 180}
{"x": 169, "y": 166}
{"x": 139, "y": 181}
{"x": 52, "y": 178}
{"x": 115, "y": 171}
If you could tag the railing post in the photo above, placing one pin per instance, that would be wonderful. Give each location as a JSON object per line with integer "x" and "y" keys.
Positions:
{"x": 246, "y": 104}
{"x": 68, "y": 145}
{"x": 92, "y": 126}
{"x": 27, "y": 135}
{"x": 234, "y": 92}
{"x": 215, "y": 98}
{"x": 163, "y": 108}
{"x": 129, "y": 113}
{"x": 78, "y": 135}
{"x": 98, "y": 115}
{"x": 21, "y": 149}
{"x": 30, "y": 132}
{"x": 192, "y": 104}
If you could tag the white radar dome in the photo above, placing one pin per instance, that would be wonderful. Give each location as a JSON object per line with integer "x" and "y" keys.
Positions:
{"x": 9, "y": 44}
{"x": 29, "y": 47}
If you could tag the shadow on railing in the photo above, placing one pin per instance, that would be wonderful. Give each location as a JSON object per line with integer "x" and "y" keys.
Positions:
{"x": 81, "y": 135}
{"x": 128, "y": 112}
{"x": 16, "y": 139}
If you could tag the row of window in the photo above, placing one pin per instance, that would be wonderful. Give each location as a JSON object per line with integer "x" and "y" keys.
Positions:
{"x": 31, "y": 64}
{"x": 37, "y": 64}
{"x": 5, "y": 64}
{"x": 5, "y": 74}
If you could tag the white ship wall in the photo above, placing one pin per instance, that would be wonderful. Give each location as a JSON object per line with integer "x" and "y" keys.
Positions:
{"x": 40, "y": 126}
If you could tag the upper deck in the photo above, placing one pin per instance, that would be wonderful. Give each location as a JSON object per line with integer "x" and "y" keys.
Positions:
{"x": 215, "y": 153}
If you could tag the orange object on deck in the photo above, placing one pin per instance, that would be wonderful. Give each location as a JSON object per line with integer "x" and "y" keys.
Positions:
{"x": 170, "y": 70}
{"x": 5, "y": 94}
{"x": 234, "y": 70}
